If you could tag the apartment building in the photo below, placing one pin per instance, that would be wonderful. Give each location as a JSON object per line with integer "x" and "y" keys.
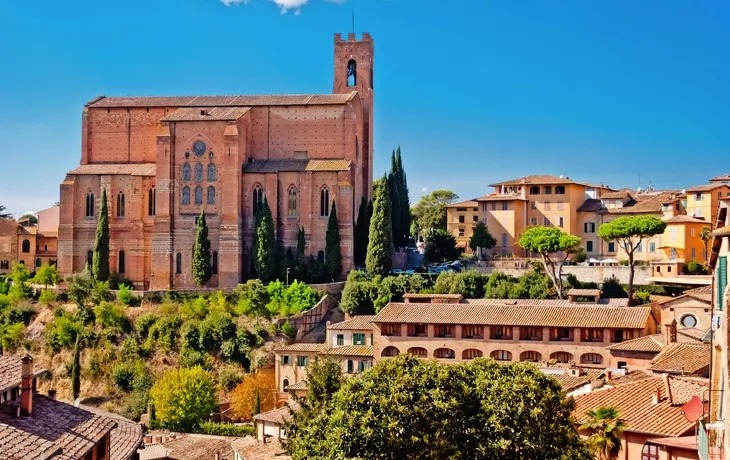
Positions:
{"x": 349, "y": 342}
{"x": 555, "y": 331}
{"x": 32, "y": 244}
{"x": 461, "y": 218}
{"x": 703, "y": 201}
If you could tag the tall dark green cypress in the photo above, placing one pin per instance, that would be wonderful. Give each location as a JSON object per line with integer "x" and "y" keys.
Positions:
{"x": 76, "y": 369}
{"x": 100, "y": 262}
{"x": 201, "y": 253}
{"x": 395, "y": 201}
{"x": 257, "y": 404}
{"x": 361, "y": 233}
{"x": 301, "y": 244}
{"x": 379, "y": 257}
{"x": 405, "y": 201}
{"x": 265, "y": 255}
{"x": 332, "y": 254}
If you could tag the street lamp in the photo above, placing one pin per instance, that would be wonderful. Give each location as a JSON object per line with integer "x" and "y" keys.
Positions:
{"x": 287, "y": 276}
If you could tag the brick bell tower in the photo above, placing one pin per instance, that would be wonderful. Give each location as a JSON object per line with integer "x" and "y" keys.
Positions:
{"x": 354, "y": 72}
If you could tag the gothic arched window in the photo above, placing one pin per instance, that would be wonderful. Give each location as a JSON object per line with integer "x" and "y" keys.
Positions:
{"x": 185, "y": 196}
{"x": 151, "y": 202}
{"x": 292, "y": 202}
{"x": 351, "y": 73}
{"x": 120, "y": 204}
{"x": 211, "y": 195}
{"x": 89, "y": 204}
{"x": 214, "y": 263}
{"x": 258, "y": 197}
{"x": 186, "y": 172}
{"x": 198, "y": 195}
{"x": 178, "y": 263}
{"x": 26, "y": 246}
{"x": 121, "y": 262}
{"x": 211, "y": 172}
{"x": 324, "y": 202}
{"x": 198, "y": 172}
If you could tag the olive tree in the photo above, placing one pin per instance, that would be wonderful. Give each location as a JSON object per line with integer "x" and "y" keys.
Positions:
{"x": 555, "y": 247}
{"x": 629, "y": 232}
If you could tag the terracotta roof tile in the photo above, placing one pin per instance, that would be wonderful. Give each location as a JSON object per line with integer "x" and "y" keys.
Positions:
{"x": 413, "y": 295}
{"x": 141, "y": 169}
{"x": 362, "y": 322}
{"x": 273, "y": 166}
{"x": 683, "y": 358}
{"x": 300, "y": 385}
{"x": 218, "y": 101}
{"x": 617, "y": 195}
{"x": 683, "y": 219}
{"x": 501, "y": 197}
{"x": 614, "y": 302}
{"x": 648, "y": 343}
{"x": 722, "y": 231}
{"x": 125, "y": 438}
{"x": 584, "y": 292}
{"x": 705, "y": 188}
{"x": 570, "y": 383}
{"x": 303, "y": 347}
{"x": 11, "y": 371}
{"x": 251, "y": 449}
{"x": 724, "y": 177}
{"x": 196, "y": 447}
{"x": 463, "y": 204}
{"x": 540, "y": 179}
{"x": 634, "y": 402}
{"x": 207, "y": 114}
{"x": 702, "y": 293}
{"x": 351, "y": 350}
{"x": 591, "y": 205}
{"x": 629, "y": 377}
{"x": 279, "y": 415}
{"x": 54, "y": 430}
{"x": 515, "y": 315}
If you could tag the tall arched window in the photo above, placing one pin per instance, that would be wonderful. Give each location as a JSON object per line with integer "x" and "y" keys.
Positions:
{"x": 258, "y": 198}
{"x": 186, "y": 172}
{"x": 198, "y": 172}
{"x": 591, "y": 358}
{"x": 534, "y": 190}
{"x": 548, "y": 190}
{"x": 122, "y": 265}
{"x": 292, "y": 202}
{"x": 38, "y": 263}
{"x": 501, "y": 355}
{"x": 178, "y": 263}
{"x": 90, "y": 258}
{"x": 198, "y": 195}
{"x": 90, "y": 204}
{"x": 562, "y": 357}
{"x": 324, "y": 202}
{"x": 152, "y": 202}
{"x": 560, "y": 189}
{"x": 185, "y": 200}
{"x": 650, "y": 452}
{"x": 26, "y": 246}
{"x": 120, "y": 204}
{"x": 211, "y": 195}
{"x": 214, "y": 263}
{"x": 357, "y": 148}
{"x": 285, "y": 384}
{"x": 351, "y": 73}
{"x": 211, "y": 172}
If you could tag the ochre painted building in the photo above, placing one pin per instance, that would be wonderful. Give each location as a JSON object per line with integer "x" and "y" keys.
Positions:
{"x": 163, "y": 160}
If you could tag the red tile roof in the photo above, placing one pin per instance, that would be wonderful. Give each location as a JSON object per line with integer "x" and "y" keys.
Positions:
{"x": 251, "y": 449}
{"x": 682, "y": 358}
{"x": 648, "y": 343}
{"x": 11, "y": 371}
{"x": 591, "y": 315}
{"x": 191, "y": 447}
{"x": 218, "y": 101}
{"x": 280, "y": 415}
{"x": 584, "y": 292}
{"x": 543, "y": 179}
{"x": 570, "y": 383}
{"x": 705, "y": 188}
{"x": 359, "y": 323}
{"x": 142, "y": 169}
{"x": 207, "y": 114}
{"x": 365, "y": 351}
{"x": 125, "y": 438}
{"x": 685, "y": 219}
{"x": 273, "y": 166}
{"x": 463, "y": 204}
{"x": 303, "y": 347}
{"x": 635, "y": 404}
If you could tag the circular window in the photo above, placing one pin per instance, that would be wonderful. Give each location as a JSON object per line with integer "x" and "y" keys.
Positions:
{"x": 199, "y": 147}
{"x": 688, "y": 321}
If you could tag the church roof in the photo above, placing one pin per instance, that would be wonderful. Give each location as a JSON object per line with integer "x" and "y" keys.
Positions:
{"x": 222, "y": 101}
{"x": 110, "y": 169}
{"x": 273, "y": 166}
{"x": 207, "y": 114}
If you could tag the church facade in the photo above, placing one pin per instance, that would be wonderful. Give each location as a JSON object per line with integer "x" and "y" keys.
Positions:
{"x": 164, "y": 160}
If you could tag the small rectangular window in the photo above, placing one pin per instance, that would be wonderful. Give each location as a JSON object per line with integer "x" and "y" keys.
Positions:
{"x": 284, "y": 360}
{"x": 505, "y": 205}
{"x": 589, "y": 246}
{"x": 533, "y": 221}
{"x": 547, "y": 206}
{"x": 340, "y": 340}
{"x": 358, "y": 339}
{"x": 611, "y": 247}
{"x": 461, "y": 219}
{"x": 461, "y": 232}
{"x": 560, "y": 205}
{"x": 302, "y": 361}
{"x": 475, "y": 218}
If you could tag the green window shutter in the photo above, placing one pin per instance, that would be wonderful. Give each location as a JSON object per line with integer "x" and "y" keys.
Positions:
{"x": 283, "y": 361}
{"x": 349, "y": 366}
{"x": 340, "y": 340}
{"x": 721, "y": 281}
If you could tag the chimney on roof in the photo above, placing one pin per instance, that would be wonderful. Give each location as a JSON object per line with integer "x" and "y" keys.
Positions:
{"x": 26, "y": 385}
{"x": 655, "y": 396}
{"x": 667, "y": 388}
{"x": 52, "y": 395}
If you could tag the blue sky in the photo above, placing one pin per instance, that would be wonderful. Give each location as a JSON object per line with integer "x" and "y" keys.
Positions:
{"x": 473, "y": 91}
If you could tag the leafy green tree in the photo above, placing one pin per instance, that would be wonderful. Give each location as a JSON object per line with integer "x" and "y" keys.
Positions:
{"x": 430, "y": 212}
{"x": 31, "y": 218}
{"x": 184, "y": 398}
{"x": 379, "y": 257}
{"x": 629, "y": 232}
{"x": 362, "y": 227}
{"x": 607, "y": 427}
{"x": 4, "y": 214}
{"x": 404, "y": 408}
{"x": 47, "y": 275}
{"x": 76, "y": 370}
{"x": 100, "y": 261}
{"x": 555, "y": 247}
{"x": 20, "y": 288}
{"x": 440, "y": 247}
{"x": 201, "y": 253}
{"x": 471, "y": 284}
{"x": 332, "y": 254}
{"x": 481, "y": 239}
{"x": 706, "y": 236}
{"x": 265, "y": 251}
{"x": 358, "y": 298}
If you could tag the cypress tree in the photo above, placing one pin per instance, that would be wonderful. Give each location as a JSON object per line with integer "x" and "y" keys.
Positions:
{"x": 405, "y": 206}
{"x": 379, "y": 257}
{"x": 361, "y": 233}
{"x": 201, "y": 253}
{"x": 76, "y": 369}
{"x": 395, "y": 201}
{"x": 100, "y": 261}
{"x": 332, "y": 254}
{"x": 265, "y": 255}
{"x": 257, "y": 404}
{"x": 301, "y": 244}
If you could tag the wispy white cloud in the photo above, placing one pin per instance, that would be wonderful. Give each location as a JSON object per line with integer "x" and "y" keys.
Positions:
{"x": 424, "y": 189}
{"x": 284, "y": 5}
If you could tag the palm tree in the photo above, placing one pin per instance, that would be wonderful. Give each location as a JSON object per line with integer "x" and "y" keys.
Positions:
{"x": 607, "y": 428}
{"x": 706, "y": 236}
{"x": 4, "y": 214}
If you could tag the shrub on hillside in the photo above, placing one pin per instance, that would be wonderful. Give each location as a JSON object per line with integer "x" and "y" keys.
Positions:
{"x": 225, "y": 429}
{"x": 111, "y": 316}
{"x": 47, "y": 297}
{"x": 125, "y": 296}
{"x": 184, "y": 398}
{"x": 123, "y": 376}
{"x": 144, "y": 323}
